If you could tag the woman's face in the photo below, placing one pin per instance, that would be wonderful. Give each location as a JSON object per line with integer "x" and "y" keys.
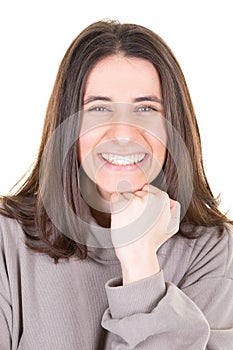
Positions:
{"x": 122, "y": 144}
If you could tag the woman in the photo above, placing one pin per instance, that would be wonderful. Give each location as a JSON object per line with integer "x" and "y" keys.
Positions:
{"x": 115, "y": 240}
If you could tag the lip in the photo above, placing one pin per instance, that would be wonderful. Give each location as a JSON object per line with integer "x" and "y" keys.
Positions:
{"x": 117, "y": 167}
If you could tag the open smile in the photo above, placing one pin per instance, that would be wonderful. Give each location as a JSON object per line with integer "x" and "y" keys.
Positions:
{"x": 123, "y": 160}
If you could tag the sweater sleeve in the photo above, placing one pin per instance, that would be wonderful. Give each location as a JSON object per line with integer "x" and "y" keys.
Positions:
{"x": 5, "y": 303}
{"x": 196, "y": 314}
{"x": 10, "y": 292}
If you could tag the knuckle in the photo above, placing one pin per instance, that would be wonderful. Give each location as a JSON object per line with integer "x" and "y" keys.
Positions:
{"x": 165, "y": 196}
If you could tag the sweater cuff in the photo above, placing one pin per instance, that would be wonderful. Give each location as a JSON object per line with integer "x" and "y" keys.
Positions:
{"x": 138, "y": 297}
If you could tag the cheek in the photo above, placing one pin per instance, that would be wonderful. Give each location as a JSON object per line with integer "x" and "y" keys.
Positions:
{"x": 86, "y": 142}
{"x": 86, "y": 145}
{"x": 158, "y": 145}
{"x": 156, "y": 137}
{"x": 159, "y": 152}
{"x": 85, "y": 155}
{"x": 83, "y": 148}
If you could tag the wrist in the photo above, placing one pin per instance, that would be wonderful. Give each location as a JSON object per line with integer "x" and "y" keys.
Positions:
{"x": 140, "y": 269}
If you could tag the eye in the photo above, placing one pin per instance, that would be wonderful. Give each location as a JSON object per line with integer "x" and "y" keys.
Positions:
{"x": 99, "y": 109}
{"x": 146, "y": 109}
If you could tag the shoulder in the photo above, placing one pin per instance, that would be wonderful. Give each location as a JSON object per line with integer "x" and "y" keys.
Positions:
{"x": 11, "y": 234}
{"x": 11, "y": 248}
{"x": 212, "y": 242}
{"x": 211, "y": 254}
{"x": 215, "y": 250}
{"x": 208, "y": 242}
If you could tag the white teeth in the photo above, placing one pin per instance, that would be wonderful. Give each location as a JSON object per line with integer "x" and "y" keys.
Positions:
{"x": 123, "y": 160}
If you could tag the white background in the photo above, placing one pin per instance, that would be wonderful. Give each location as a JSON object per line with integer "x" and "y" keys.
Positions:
{"x": 34, "y": 36}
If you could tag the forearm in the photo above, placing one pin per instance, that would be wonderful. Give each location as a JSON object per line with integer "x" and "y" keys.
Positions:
{"x": 151, "y": 314}
{"x": 139, "y": 268}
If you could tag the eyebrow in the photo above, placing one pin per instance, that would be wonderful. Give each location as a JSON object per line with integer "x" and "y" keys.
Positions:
{"x": 150, "y": 98}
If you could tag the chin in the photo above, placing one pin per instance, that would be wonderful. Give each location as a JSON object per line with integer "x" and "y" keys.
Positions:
{"x": 120, "y": 187}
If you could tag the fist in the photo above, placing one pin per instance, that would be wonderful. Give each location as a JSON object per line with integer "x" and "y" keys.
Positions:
{"x": 148, "y": 216}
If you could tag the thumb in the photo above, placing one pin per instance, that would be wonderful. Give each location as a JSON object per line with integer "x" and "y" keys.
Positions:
{"x": 174, "y": 223}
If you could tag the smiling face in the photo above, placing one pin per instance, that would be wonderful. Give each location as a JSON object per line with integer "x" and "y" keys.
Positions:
{"x": 122, "y": 144}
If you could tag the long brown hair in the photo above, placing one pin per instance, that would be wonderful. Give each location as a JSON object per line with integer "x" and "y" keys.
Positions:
{"x": 97, "y": 41}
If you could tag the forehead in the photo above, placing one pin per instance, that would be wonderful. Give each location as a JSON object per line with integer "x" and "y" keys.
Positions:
{"x": 123, "y": 75}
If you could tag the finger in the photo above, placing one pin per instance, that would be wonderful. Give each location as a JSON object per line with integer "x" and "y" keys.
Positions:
{"x": 114, "y": 197}
{"x": 153, "y": 190}
{"x": 140, "y": 193}
{"x": 127, "y": 195}
{"x": 174, "y": 223}
{"x": 118, "y": 202}
{"x": 172, "y": 203}
{"x": 149, "y": 188}
{"x": 130, "y": 195}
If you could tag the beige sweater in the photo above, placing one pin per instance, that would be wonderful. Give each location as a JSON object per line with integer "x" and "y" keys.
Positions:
{"x": 81, "y": 305}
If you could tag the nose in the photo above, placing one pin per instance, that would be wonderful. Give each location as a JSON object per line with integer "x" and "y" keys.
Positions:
{"x": 123, "y": 126}
{"x": 123, "y": 132}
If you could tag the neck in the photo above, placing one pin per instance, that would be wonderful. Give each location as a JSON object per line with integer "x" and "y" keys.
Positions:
{"x": 96, "y": 200}
{"x": 103, "y": 219}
